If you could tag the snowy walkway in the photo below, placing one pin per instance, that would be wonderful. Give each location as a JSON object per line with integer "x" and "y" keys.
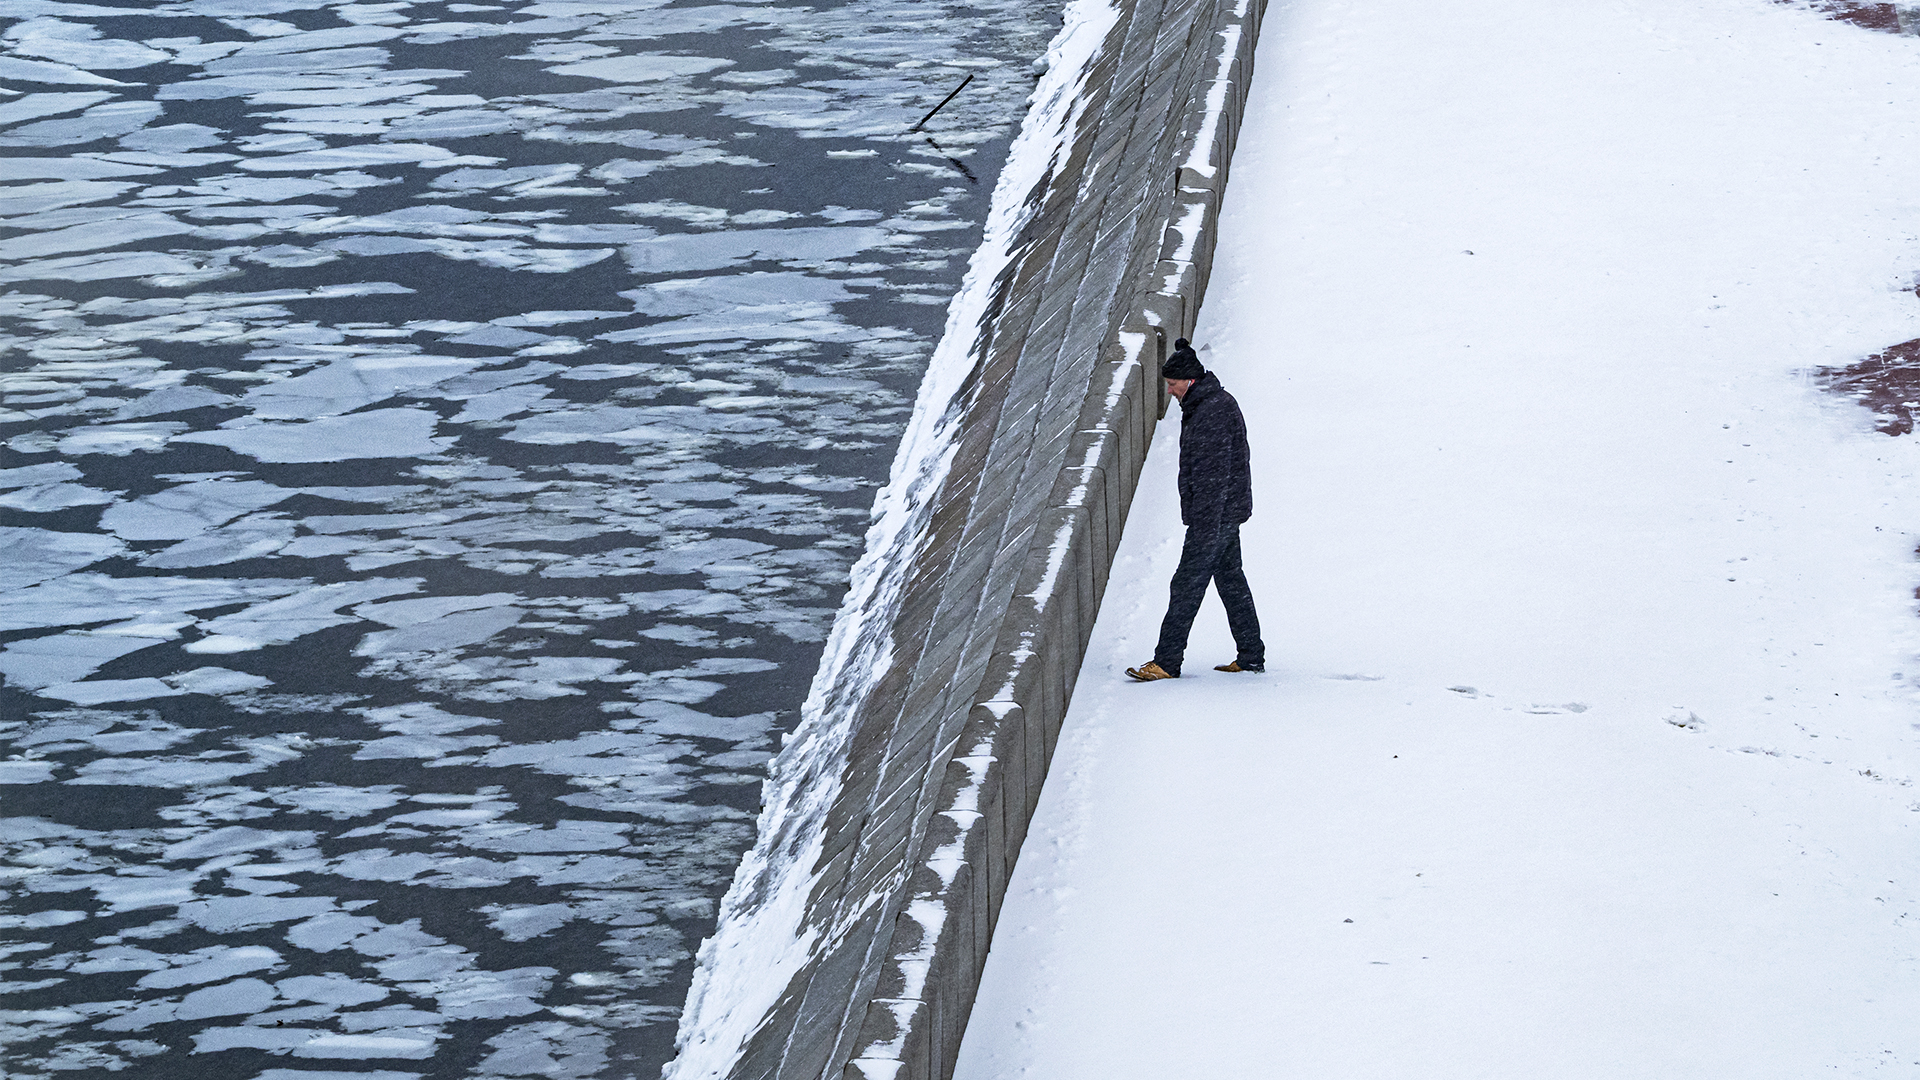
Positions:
{"x": 1587, "y": 745}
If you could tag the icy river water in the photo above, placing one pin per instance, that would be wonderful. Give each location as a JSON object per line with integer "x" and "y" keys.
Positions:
{"x": 437, "y": 437}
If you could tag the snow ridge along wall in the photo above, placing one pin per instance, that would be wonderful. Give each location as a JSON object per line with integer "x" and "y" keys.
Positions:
{"x": 852, "y": 941}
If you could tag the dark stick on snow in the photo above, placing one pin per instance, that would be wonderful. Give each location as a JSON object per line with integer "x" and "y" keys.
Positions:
{"x": 943, "y": 103}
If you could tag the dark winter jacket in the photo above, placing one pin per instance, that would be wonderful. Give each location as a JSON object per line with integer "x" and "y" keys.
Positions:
{"x": 1216, "y": 481}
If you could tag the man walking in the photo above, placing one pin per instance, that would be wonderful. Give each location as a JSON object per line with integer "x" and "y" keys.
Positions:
{"x": 1216, "y": 495}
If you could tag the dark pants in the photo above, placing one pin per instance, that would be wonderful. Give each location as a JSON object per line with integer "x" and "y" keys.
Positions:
{"x": 1210, "y": 556}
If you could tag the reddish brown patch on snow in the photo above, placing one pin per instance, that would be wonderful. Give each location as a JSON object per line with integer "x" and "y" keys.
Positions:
{"x": 1887, "y": 382}
{"x": 1882, "y": 17}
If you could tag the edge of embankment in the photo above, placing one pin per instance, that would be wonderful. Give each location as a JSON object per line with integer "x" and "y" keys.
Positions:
{"x": 856, "y": 930}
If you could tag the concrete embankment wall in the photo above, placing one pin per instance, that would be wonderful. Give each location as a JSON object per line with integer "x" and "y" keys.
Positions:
{"x": 950, "y": 745}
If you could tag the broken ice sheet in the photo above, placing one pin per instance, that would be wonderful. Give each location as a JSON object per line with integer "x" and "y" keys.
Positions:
{"x": 189, "y": 510}
{"x": 251, "y": 538}
{"x": 111, "y": 120}
{"x": 277, "y": 622}
{"x": 456, "y": 622}
{"x": 118, "y": 440}
{"x": 353, "y": 383}
{"x": 718, "y": 250}
{"x": 65, "y": 658}
{"x": 641, "y": 67}
{"x": 77, "y": 599}
{"x": 29, "y": 556}
{"x": 50, "y": 497}
{"x": 383, "y": 433}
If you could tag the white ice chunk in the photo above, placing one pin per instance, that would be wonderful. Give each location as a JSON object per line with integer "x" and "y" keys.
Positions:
{"x": 65, "y": 658}
{"x": 669, "y": 717}
{"x": 30, "y": 556}
{"x": 426, "y": 609}
{"x": 354, "y": 157}
{"x": 499, "y": 337}
{"x": 383, "y": 433}
{"x": 506, "y": 254}
{"x": 644, "y": 67}
{"x": 329, "y": 989}
{"x": 216, "y": 680}
{"x": 161, "y": 267}
{"x": 122, "y": 228}
{"x": 228, "y": 914}
{"x": 422, "y": 746}
{"x": 118, "y": 440}
{"x": 501, "y": 404}
{"x": 212, "y": 965}
{"x": 108, "y": 121}
{"x": 67, "y": 168}
{"x": 79, "y": 44}
{"x": 319, "y": 61}
{"x": 450, "y": 630}
{"x": 392, "y": 1043}
{"x": 288, "y": 38}
{"x": 690, "y": 296}
{"x": 233, "y": 839}
{"x": 273, "y": 1040}
{"x": 460, "y": 124}
{"x": 36, "y": 198}
{"x": 353, "y": 383}
{"x": 251, "y": 538}
{"x": 277, "y": 622}
{"x": 529, "y": 922}
{"x": 633, "y": 426}
{"x": 34, "y": 106}
{"x": 47, "y": 498}
{"x": 328, "y": 1074}
{"x": 14, "y": 69}
{"x": 682, "y": 252}
{"x": 421, "y": 718}
{"x": 93, "y": 598}
{"x": 337, "y": 802}
{"x": 613, "y": 232}
{"x": 238, "y": 996}
{"x": 697, "y": 216}
{"x": 52, "y": 472}
{"x": 171, "y": 399}
{"x": 541, "y": 677}
{"x": 190, "y": 509}
{"x": 173, "y": 138}
{"x": 564, "y": 836}
{"x": 558, "y": 318}
{"x": 26, "y": 772}
{"x": 519, "y": 177}
{"x": 772, "y": 322}
{"x": 148, "y": 771}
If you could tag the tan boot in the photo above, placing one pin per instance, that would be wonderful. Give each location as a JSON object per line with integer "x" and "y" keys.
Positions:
{"x": 1150, "y": 672}
{"x": 1235, "y": 666}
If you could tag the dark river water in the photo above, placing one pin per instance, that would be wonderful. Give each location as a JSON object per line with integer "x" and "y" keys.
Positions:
{"x": 437, "y": 435}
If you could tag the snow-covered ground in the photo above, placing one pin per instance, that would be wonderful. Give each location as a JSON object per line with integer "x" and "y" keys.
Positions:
{"x": 1587, "y": 744}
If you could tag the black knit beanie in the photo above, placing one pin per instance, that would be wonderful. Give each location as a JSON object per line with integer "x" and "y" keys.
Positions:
{"x": 1183, "y": 364}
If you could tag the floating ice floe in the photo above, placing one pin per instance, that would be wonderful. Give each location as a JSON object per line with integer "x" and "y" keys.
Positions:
{"x": 276, "y": 622}
{"x": 382, "y": 433}
{"x": 715, "y": 251}
{"x": 33, "y": 106}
